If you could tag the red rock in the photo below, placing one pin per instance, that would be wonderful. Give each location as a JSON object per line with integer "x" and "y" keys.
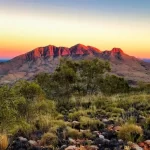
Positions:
{"x": 78, "y": 49}
{"x": 93, "y": 49}
{"x": 54, "y": 51}
{"x": 50, "y": 51}
{"x": 117, "y": 50}
{"x": 64, "y": 51}
{"x": 141, "y": 144}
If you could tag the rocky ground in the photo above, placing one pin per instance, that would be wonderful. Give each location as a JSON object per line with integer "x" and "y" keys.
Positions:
{"x": 103, "y": 139}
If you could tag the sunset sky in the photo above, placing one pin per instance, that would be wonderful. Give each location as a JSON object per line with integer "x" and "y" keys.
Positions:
{"x": 27, "y": 24}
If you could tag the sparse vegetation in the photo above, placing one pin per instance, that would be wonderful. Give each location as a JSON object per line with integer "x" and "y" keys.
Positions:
{"x": 131, "y": 132}
{"x": 78, "y": 99}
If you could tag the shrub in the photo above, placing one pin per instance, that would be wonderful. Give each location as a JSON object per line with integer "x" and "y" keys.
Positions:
{"x": 76, "y": 115}
{"x": 146, "y": 123}
{"x": 114, "y": 84}
{"x": 115, "y": 110}
{"x": 58, "y": 123}
{"x": 49, "y": 139}
{"x": 22, "y": 126}
{"x": 60, "y": 116}
{"x": 86, "y": 134}
{"x": 73, "y": 133}
{"x": 44, "y": 122}
{"x": 130, "y": 132}
{"x": 90, "y": 123}
{"x": 101, "y": 102}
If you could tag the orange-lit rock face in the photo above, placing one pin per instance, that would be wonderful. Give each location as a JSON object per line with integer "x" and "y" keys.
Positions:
{"x": 80, "y": 49}
{"x": 47, "y": 51}
{"x": 37, "y": 53}
{"x": 114, "y": 54}
{"x": 36, "y": 61}
{"x": 53, "y": 51}
{"x": 64, "y": 51}
{"x": 116, "y": 50}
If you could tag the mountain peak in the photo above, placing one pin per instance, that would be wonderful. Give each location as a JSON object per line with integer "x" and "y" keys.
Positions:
{"x": 117, "y": 50}
{"x": 80, "y": 46}
{"x": 80, "y": 49}
{"x": 53, "y": 51}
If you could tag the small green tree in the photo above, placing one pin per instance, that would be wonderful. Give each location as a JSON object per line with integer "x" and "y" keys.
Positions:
{"x": 113, "y": 84}
{"x": 8, "y": 108}
{"x": 45, "y": 82}
{"x": 29, "y": 90}
{"x": 64, "y": 79}
{"x": 92, "y": 74}
{"x": 33, "y": 107}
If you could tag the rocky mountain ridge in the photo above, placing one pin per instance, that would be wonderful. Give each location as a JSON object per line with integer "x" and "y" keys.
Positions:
{"x": 46, "y": 59}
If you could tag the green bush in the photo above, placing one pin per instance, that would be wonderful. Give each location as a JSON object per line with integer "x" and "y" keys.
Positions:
{"x": 86, "y": 134}
{"x": 146, "y": 123}
{"x": 130, "y": 132}
{"x": 90, "y": 123}
{"x": 115, "y": 110}
{"x": 73, "y": 133}
{"x": 49, "y": 139}
{"x": 101, "y": 102}
{"x": 76, "y": 115}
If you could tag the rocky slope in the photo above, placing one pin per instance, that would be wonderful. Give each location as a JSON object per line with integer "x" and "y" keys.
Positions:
{"x": 131, "y": 68}
{"x": 46, "y": 59}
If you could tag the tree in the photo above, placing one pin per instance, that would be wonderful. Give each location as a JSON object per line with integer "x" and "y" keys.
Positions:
{"x": 29, "y": 90}
{"x": 64, "y": 79}
{"x": 59, "y": 85}
{"x": 92, "y": 73}
{"x": 32, "y": 94}
{"x": 8, "y": 108}
{"x": 113, "y": 84}
{"x": 74, "y": 77}
{"x": 45, "y": 82}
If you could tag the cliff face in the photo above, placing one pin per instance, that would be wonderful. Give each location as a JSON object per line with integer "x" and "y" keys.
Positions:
{"x": 53, "y": 52}
{"x": 46, "y": 59}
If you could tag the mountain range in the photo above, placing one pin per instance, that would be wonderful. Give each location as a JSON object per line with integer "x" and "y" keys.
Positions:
{"x": 146, "y": 60}
{"x": 46, "y": 59}
{"x": 3, "y": 60}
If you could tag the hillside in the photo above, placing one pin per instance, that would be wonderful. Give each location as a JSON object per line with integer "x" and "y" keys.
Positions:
{"x": 46, "y": 59}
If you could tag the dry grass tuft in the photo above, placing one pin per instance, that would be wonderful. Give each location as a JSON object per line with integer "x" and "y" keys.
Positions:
{"x": 3, "y": 141}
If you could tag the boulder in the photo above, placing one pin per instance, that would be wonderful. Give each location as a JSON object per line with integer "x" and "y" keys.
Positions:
{"x": 63, "y": 147}
{"x": 22, "y": 139}
{"x": 33, "y": 143}
{"x": 147, "y": 142}
{"x": 72, "y": 141}
{"x": 93, "y": 147}
{"x": 101, "y": 136}
{"x": 136, "y": 147}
